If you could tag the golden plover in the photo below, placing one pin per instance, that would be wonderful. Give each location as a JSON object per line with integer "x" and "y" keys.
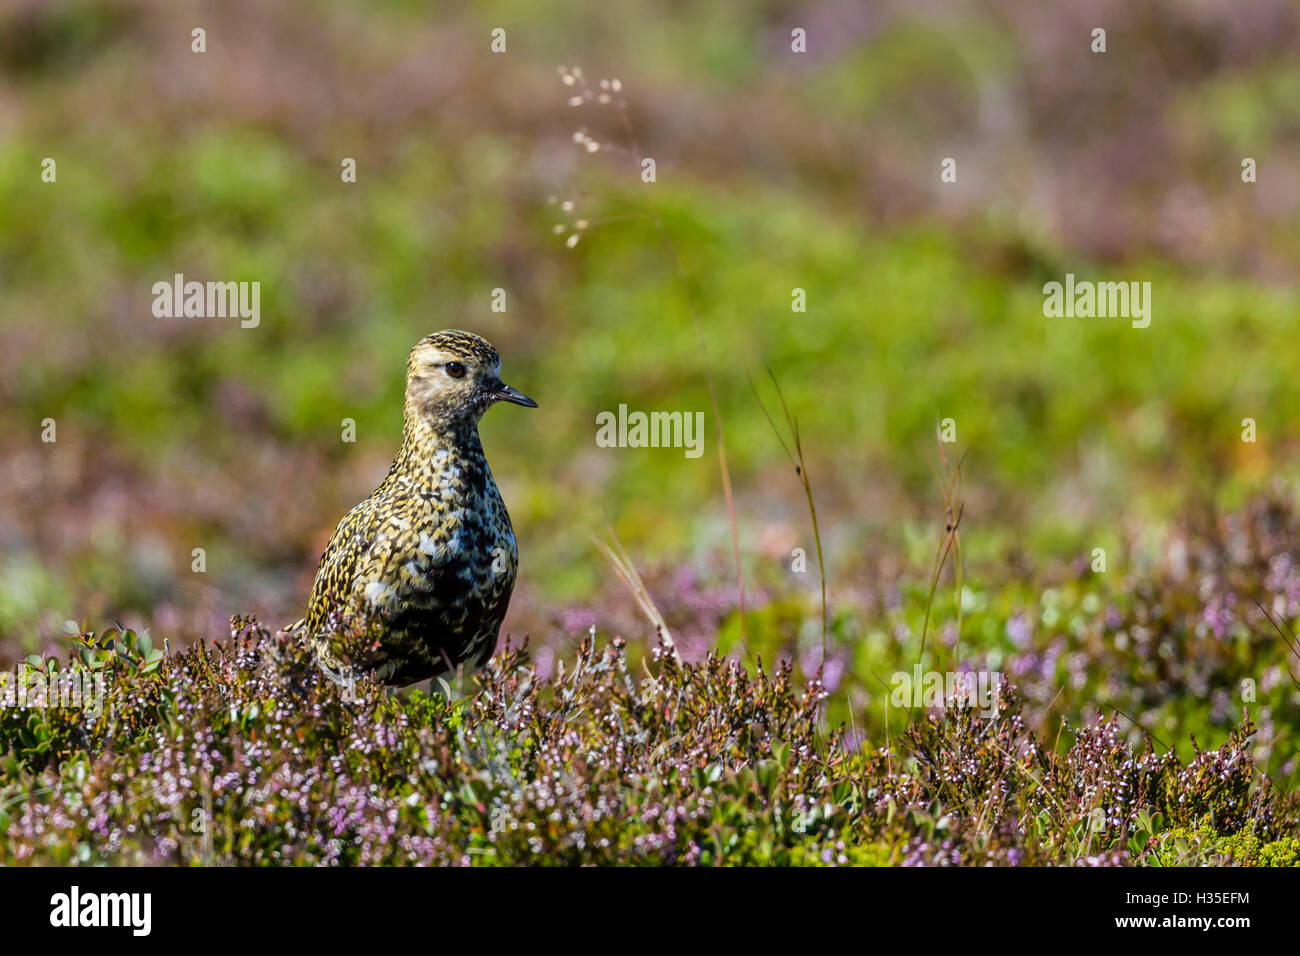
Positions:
{"x": 430, "y": 556}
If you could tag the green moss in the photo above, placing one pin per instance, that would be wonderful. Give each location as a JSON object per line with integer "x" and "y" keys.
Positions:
{"x": 1202, "y": 845}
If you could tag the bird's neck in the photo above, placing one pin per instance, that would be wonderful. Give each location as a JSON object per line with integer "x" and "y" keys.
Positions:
{"x": 430, "y": 448}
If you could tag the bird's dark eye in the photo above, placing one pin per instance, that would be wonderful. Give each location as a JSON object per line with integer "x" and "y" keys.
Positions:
{"x": 455, "y": 370}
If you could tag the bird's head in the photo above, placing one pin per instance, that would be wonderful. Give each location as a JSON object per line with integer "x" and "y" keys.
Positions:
{"x": 453, "y": 377}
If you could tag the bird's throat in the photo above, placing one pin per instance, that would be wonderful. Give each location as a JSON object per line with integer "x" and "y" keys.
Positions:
{"x": 431, "y": 449}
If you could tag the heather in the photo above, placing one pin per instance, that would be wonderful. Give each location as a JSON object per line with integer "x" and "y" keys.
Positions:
{"x": 240, "y": 751}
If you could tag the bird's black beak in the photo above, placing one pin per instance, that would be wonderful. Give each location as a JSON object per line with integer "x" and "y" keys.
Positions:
{"x": 504, "y": 393}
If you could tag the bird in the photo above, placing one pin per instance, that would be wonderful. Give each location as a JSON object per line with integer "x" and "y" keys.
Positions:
{"x": 430, "y": 557}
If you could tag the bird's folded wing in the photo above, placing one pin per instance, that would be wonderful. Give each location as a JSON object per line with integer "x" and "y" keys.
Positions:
{"x": 347, "y": 562}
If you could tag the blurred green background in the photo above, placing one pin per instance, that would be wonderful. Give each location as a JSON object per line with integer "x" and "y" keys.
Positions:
{"x": 775, "y": 170}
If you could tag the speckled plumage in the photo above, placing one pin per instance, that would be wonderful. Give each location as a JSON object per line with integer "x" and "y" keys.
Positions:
{"x": 431, "y": 550}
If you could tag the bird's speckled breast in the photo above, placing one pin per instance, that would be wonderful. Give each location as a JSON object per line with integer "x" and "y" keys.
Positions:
{"x": 433, "y": 551}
